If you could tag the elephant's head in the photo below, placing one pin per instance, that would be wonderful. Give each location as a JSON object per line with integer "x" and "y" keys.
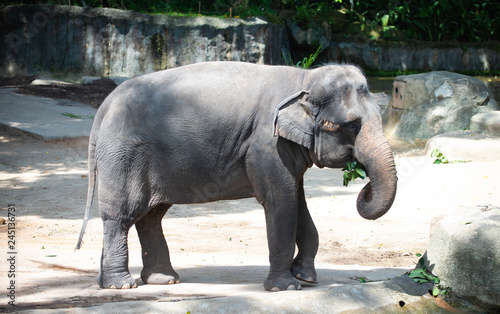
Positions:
{"x": 335, "y": 118}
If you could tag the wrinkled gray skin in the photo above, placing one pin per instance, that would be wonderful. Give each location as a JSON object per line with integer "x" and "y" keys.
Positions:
{"x": 229, "y": 130}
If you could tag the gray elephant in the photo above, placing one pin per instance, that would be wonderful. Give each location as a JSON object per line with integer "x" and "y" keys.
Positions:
{"x": 229, "y": 130}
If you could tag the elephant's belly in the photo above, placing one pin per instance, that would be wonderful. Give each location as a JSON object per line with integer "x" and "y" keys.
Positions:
{"x": 202, "y": 190}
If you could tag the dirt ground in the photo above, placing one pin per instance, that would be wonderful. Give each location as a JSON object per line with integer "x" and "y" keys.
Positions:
{"x": 91, "y": 94}
{"x": 47, "y": 183}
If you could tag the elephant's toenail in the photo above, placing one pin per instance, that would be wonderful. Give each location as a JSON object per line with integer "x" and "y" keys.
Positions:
{"x": 291, "y": 287}
{"x": 112, "y": 287}
{"x": 275, "y": 289}
{"x": 126, "y": 286}
{"x": 135, "y": 285}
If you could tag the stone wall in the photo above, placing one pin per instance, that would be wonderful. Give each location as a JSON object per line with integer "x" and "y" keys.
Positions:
{"x": 395, "y": 56}
{"x": 70, "y": 40}
{"x": 421, "y": 57}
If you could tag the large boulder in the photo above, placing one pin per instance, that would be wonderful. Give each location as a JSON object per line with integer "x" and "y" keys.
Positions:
{"x": 464, "y": 252}
{"x": 424, "y": 105}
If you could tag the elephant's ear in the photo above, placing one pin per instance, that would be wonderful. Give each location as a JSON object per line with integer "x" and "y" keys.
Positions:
{"x": 294, "y": 120}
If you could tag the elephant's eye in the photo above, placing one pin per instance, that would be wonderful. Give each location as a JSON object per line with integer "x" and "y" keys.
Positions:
{"x": 329, "y": 125}
{"x": 351, "y": 127}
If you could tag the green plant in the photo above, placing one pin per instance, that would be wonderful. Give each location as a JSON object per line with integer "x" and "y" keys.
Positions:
{"x": 441, "y": 158}
{"x": 306, "y": 63}
{"x": 70, "y": 115}
{"x": 421, "y": 275}
{"x": 352, "y": 171}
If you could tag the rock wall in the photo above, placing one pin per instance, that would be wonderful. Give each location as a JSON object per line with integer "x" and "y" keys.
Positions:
{"x": 419, "y": 57}
{"x": 395, "y": 56}
{"x": 69, "y": 40}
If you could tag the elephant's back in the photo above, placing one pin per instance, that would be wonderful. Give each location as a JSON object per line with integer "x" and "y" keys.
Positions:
{"x": 197, "y": 103}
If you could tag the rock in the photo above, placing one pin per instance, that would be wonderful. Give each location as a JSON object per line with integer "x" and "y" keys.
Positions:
{"x": 424, "y": 105}
{"x": 118, "y": 79}
{"x": 486, "y": 122}
{"x": 465, "y": 145}
{"x": 464, "y": 252}
{"x": 381, "y": 99}
{"x": 65, "y": 40}
{"x": 89, "y": 79}
{"x": 319, "y": 34}
{"x": 47, "y": 82}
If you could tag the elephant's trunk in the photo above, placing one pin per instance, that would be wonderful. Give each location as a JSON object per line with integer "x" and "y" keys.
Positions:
{"x": 373, "y": 151}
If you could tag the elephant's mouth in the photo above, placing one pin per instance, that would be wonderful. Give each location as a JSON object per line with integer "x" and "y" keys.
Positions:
{"x": 361, "y": 166}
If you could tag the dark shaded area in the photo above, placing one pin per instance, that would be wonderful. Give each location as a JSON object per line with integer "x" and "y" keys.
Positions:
{"x": 92, "y": 94}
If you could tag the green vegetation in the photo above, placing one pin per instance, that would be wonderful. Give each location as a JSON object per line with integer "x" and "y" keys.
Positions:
{"x": 395, "y": 20}
{"x": 306, "y": 63}
{"x": 421, "y": 275}
{"x": 441, "y": 158}
{"x": 352, "y": 171}
{"x": 70, "y": 115}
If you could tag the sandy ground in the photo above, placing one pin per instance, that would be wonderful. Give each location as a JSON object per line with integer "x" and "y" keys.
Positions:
{"x": 47, "y": 182}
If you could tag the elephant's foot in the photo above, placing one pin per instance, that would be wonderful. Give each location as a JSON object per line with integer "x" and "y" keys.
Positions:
{"x": 281, "y": 282}
{"x": 304, "y": 271}
{"x": 160, "y": 278}
{"x": 116, "y": 281}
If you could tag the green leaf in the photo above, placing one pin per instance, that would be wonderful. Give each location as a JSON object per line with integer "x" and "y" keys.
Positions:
{"x": 385, "y": 20}
{"x": 361, "y": 173}
{"x": 435, "y": 291}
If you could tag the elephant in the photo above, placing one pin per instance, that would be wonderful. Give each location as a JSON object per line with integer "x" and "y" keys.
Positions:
{"x": 223, "y": 131}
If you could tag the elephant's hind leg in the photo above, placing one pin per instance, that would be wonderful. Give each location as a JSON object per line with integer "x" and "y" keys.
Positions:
{"x": 155, "y": 256}
{"x": 114, "y": 272}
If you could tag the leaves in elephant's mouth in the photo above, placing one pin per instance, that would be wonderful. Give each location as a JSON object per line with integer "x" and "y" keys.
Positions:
{"x": 352, "y": 171}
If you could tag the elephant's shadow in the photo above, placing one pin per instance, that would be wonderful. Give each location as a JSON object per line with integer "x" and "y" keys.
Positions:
{"x": 254, "y": 275}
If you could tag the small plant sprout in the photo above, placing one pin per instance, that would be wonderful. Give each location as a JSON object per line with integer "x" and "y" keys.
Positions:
{"x": 306, "y": 63}
{"x": 441, "y": 158}
{"x": 352, "y": 171}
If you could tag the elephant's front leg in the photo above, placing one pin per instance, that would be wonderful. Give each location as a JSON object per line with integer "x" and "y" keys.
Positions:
{"x": 114, "y": 272}
{"x": 281, "y": 221}
{"x": 307, "y": 242}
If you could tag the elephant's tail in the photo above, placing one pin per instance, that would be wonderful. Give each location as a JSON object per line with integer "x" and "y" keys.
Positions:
{"x": 90, "y": 192}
